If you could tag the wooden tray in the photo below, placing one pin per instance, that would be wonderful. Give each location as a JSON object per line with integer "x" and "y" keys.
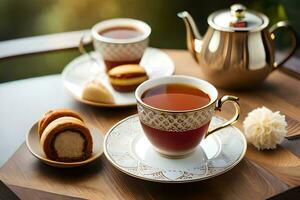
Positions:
{"x": 100, "y": 180}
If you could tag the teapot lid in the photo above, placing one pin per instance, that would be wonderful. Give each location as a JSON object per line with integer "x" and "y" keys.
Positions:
{"x": 238, "y": 19}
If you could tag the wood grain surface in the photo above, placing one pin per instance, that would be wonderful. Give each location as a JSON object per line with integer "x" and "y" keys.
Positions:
{"x": 260, "y": 175}
{"x": 34, "y": 194}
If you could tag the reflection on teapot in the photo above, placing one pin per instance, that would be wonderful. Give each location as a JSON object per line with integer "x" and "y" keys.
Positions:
{"x": 237, "y": 50}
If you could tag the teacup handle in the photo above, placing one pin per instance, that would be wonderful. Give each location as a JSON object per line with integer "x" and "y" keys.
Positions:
{"x": 82, "y": 48}
{"x": 219, "y": 103}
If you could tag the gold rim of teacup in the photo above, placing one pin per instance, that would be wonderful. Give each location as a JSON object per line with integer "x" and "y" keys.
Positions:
{"x": 212, "y": 100}
{"x": 138, "y": 24}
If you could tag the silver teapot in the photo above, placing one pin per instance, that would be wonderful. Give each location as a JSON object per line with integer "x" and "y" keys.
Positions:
{"x": 237, "y": 51}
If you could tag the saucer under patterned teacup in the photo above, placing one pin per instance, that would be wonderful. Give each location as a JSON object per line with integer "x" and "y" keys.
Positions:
{"x": 128, "y": 149}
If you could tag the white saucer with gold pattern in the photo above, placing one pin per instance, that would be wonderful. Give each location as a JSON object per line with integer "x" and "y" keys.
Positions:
{"x": 126, "y": 147}
{"x": 33, "y": 144}
{"x": 83, "y": 69}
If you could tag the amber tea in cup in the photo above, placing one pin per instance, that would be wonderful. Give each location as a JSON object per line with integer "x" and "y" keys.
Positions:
{"x": 177, "y": 97}
{"x": 175, "y": 112}
{"x": 121, "y": 32}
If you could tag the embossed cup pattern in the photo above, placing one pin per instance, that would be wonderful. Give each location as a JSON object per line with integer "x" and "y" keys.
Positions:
{"x": 175, "y": 134}
{"x": 115, "y": 54}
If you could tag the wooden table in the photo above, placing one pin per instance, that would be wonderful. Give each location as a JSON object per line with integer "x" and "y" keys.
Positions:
{"x": 261, "y": 174}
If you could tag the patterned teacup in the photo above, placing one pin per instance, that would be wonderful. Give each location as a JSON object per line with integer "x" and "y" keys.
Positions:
{"x": 177, "y": 133}
{"x": 119, "y": 51}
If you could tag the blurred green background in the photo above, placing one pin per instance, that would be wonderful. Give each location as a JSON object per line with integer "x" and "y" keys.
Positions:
{"x": 24, "y": 18}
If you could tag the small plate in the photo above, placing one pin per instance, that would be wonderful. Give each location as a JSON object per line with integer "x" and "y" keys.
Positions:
{"x": 83, "y": 69}
{"x": 33, "y": 144}
{"x": 129, "y": 150}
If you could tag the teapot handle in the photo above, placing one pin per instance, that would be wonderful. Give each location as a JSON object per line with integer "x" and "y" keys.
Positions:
{"x": 292, "y": 33}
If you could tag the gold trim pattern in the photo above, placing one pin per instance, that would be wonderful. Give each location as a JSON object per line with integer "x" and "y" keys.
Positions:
{"x": 175, "y": 122}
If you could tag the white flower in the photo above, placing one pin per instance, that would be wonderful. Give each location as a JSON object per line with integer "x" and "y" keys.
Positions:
{"x": 264, "y": 128}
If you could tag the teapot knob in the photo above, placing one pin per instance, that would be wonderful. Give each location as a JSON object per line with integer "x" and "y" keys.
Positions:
{"x": 238, "y": 16}
{"x": 238, "y": 11}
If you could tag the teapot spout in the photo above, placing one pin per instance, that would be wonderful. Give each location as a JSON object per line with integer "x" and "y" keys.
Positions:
{"x": 194, "y": 39}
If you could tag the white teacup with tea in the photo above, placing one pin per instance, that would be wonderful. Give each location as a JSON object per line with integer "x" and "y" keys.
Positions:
{"x": 119, "y": 41}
